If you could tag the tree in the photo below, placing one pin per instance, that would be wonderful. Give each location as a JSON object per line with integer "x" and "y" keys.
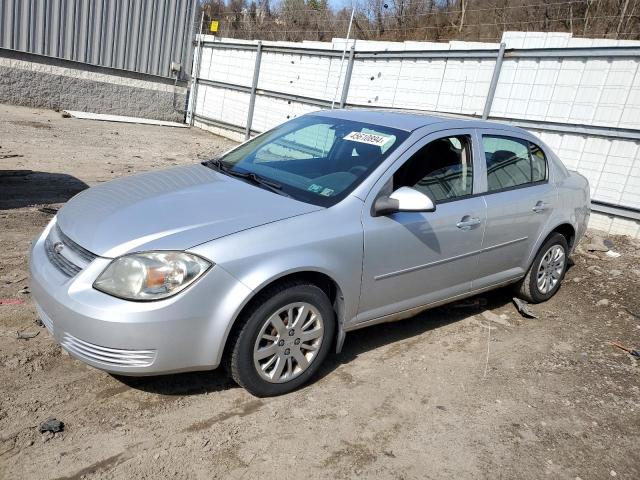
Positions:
{"x": 441, "y": 20}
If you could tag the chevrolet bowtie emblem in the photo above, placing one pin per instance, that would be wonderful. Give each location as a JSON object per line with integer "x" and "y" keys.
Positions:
{"x": 58, "y": 247}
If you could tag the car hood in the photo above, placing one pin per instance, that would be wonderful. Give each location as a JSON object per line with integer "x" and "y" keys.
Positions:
{"x": 171, "y": 209}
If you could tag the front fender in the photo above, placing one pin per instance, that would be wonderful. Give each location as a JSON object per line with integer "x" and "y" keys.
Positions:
{"x": 328, "y": 241}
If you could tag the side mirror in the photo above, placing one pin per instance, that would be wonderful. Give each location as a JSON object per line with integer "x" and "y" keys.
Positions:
{"x": 405, "y": 199}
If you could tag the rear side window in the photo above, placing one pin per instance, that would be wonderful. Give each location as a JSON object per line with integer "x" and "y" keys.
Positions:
{"x": 538, "y": 163}
{"x": 512, "y": 162}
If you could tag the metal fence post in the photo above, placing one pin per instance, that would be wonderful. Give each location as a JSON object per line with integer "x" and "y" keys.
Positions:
{"x": 494, "y": 82}
{"x": 347, "y": 77}
{"x": 254, "y": 87}
{"x": 194, "y": 79}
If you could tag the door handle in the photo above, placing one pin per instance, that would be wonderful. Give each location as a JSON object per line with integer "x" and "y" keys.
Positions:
{"x": 540, "y": 207}
{"x": 467, "y": 222}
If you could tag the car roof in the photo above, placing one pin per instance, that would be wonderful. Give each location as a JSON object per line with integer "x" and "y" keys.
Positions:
{"x": 410, "y": 120}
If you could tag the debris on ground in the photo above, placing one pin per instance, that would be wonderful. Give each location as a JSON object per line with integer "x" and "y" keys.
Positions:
{"x": 48, "y": 210}
{"x": 597, "y": 244}
{"x": 24, "y": 291}
{"x": 494, "y": 317}
{"x": 612, "y": 254}
{"x": 602, "y": 302}
{"x": 523, "y": 308}
{"x": 11, "y": 301}
{"x": 22, "y": 335}
{"x": 634, "y": 315}
{"x": 38, "y": 322}
{"x": 634, "y": 353}
{"x": 106, "y": 117}
{"x": 594, "y": 269}
{"x": 581, "y": 251}
{"x": 51, "y": 425}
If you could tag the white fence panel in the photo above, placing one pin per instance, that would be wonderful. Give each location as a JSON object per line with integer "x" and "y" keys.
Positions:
{"x": 598, "y": 92}
{"x": 228, "y": 66}
{"x": 593, "y": 100}
{"x": 271, "y": 112}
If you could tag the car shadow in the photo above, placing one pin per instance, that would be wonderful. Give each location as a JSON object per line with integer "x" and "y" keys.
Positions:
{"x": 370, "y": 338}
{"x": 358, "y": 342}
{"x": 418, "y": 225}
{"x": 182, "y": 384}
{"x": 24, "y": 188}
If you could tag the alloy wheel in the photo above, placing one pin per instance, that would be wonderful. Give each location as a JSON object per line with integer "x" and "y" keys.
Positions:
{"x": 288, "y": 342}
{"x": 550, "y": 269}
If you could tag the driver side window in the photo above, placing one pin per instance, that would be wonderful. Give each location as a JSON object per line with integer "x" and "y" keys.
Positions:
{"x": 442, "y": 169}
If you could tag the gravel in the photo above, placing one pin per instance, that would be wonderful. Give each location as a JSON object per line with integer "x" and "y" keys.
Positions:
{"x": 427, "y": 397}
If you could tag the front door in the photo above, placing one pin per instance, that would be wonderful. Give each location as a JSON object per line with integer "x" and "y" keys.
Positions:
{"x": 413, "y": 259}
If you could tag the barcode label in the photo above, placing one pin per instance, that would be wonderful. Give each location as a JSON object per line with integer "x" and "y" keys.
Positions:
{"x": 370, "y": 138}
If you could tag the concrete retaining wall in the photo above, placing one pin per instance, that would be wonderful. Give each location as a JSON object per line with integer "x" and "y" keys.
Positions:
{"x": 46, "y": 82}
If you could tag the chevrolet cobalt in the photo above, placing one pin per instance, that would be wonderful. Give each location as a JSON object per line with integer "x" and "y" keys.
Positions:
{"x": 263, "y": 259}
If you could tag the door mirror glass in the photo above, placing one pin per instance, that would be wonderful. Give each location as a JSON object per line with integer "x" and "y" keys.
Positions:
{"x": 405, "y": 199}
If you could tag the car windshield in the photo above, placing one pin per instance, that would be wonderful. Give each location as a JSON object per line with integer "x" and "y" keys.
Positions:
{"x": 314, "y": 159}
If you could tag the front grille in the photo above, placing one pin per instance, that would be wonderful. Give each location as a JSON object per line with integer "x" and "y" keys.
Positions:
{"x": 66, "y": 255}
{"x": 83, "y": 253}
{"x": 108, "y": 356}
{"x": 61, "y": 263}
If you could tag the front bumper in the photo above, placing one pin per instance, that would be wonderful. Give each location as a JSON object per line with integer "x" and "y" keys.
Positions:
{"x": 184, "y": 332}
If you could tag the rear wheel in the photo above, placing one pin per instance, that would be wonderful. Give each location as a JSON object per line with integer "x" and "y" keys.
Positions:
{"x": 285, "y": 335}
{"x": 547, "y": 270}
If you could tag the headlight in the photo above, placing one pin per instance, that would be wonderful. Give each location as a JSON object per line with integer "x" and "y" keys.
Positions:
{"x": 150, "y": 275}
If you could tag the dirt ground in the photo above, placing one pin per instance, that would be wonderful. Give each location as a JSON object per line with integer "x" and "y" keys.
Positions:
{"x": 471, "y": 390}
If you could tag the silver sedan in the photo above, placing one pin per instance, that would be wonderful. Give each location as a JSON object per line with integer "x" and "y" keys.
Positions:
{"x": 263, "y": 259}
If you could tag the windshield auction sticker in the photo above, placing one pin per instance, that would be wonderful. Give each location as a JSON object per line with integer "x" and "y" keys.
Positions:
{"x": 370, "y": 138}
{"x": 319, "y": 189}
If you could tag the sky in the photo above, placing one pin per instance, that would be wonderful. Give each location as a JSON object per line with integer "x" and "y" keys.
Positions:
{"x": 338, "y": 4}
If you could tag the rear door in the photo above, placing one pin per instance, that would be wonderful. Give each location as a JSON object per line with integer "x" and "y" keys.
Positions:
{"x": 519, "y": 199}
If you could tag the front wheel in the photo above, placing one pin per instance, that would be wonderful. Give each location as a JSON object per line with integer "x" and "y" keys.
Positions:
{"x": 547, "y": 270}
{"x": 285, "y": 335}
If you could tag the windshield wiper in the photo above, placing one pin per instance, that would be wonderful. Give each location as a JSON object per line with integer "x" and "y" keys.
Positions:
{"x": 254, "y": 178}
{"x": 260, "y": 181}
{"x": 217, "y": 164}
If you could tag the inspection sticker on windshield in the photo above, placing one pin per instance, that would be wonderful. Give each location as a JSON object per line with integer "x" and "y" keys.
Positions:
{"x": 370, "y": 138}
{"x": 320, "y": 190}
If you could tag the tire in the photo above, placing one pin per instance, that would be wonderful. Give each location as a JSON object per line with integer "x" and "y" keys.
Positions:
{"x": 260, "y": 333}
{"x": 529, "y": 288}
